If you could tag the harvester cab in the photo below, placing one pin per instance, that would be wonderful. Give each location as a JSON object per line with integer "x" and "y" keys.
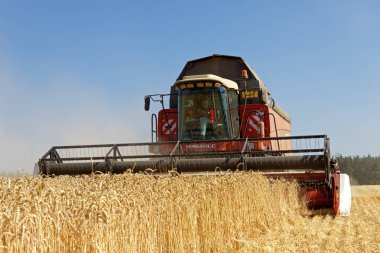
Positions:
{"x": 204, "y": 108}
{"x": 221, "y": 117}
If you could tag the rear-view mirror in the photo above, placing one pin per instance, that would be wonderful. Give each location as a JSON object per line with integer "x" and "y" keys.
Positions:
{"x": 147, "y": 103}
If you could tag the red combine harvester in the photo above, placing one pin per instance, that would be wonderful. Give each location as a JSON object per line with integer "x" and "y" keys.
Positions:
{"x": 221, "y": 118}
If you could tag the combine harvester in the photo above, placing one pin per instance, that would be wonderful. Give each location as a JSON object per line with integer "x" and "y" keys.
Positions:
{"x": 221, "y": 118}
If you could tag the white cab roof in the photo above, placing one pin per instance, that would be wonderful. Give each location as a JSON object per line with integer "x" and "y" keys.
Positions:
{"x": 208, "y": 77}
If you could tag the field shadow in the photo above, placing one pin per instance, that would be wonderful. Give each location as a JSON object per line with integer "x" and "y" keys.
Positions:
{"x": 320, "y": 212}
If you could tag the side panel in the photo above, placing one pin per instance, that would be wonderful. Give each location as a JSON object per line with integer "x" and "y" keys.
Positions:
{"x": 250, "y": 117}
{"x": 167, "y": 127}
{"x": 254, "y": 116}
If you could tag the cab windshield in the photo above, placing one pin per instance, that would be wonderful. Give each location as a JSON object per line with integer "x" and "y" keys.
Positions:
{"x": 203, "y": 114}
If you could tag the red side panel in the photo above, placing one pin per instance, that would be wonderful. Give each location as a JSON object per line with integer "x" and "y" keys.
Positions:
{"x": 167, "y": 127}
{"x": 273, "y": 122}
{"x": 253, "y": 114}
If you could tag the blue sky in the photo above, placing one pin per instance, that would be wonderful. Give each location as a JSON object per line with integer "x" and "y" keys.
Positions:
{"x": 76, "y": 73}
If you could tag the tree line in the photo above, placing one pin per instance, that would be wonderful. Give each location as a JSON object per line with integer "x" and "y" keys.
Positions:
{"x": 363, "y": 170}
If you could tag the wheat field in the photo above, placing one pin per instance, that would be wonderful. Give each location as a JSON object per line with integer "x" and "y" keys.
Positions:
{"x": 237, "y": 212}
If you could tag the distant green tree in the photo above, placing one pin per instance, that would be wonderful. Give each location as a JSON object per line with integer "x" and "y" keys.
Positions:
{"x": 363, "y": 170}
